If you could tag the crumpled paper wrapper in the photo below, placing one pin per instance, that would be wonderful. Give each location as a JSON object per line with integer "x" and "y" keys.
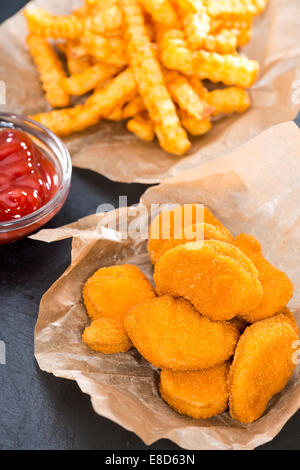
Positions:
{"x": 111, "y": 150}
{"x": 255, "y": 189}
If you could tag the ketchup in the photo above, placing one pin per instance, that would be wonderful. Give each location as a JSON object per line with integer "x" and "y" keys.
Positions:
{"x": 28, "y": 180}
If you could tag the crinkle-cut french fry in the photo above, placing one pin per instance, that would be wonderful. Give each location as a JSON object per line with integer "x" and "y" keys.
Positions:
{"x": 148, "y": 74}
{"x": 115, "y": 115}
{"x": 50, "y": 69}
{"x": 198, "y": 86}
{"x": 102, "y": 102}
{"x": 230, "y": 10}
{"x": 194, "y": 126}
{"x": 174, "y": 51}
{"x": 243, "y": 36}
{"x": 81, "y": 83}
{"x": 141, "y": 126}
{"x": 42, "y": 23}
{"x": 76, "y": 56}
{"x": 196, "y": 28}
{"x": 224, "y": 42}
{"x": 189, "y": 6}
{"x": 105, "y": 21}
{"x": 229, "y": 69}
{"x": 186, "y": 97}
{"x": 135, "y": 106}
{"x": 82, "y": 12}
{"x": 228, "y": 100}
{"x": 110, "y": 50}
{"x": 161, "y": 11}
{"x": 259, "y": 6}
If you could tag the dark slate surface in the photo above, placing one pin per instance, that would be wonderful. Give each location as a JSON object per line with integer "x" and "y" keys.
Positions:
{"x": 38, "y": 410}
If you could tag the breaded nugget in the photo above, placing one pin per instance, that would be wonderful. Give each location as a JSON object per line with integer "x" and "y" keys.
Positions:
{"x": 216, "y": 277}
{"x": 111, "y": 292}
{"x": 194, "y": 232}
{"x": 171, "y": 334}
{"x": 262, "y": 365}
{"x": 107, "y": 336}
{"x": 239, "y": 323}
{"x": 198, "y": 394}
{"x": 276, "y": 286}
{"x": 167, "y": 223}
{"x": 288, "y": 314}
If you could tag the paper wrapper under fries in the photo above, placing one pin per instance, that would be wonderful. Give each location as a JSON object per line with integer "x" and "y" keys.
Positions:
{"x": 255, "y": 190}
{"x": 111, "y": 150}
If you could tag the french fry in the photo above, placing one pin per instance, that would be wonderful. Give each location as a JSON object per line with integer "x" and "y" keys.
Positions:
{"x": 102, "y": 102}
{"x": 110, "y": 50}
{"x": 174, "y": 51}
{"x": 198, "y": 86}
{"x": 186, "y": 97}
{"x": 188, "y": 6}
{"x": 50, "y": 69}
{"x": 141, "y": 126}
{"x": 76, "y": 56}
{"x": 224, "y": 42}
{"x": 115, "y": 115}
{"x": 81, "y": 83}
{"x": 151, "y": 84}
{"x": 135, "y": 106}
{"x": 161, "y": 11}
{"x": 106, "y": 21}
{"x": 228, "y": 69}
{"x": 42, "y": 23}
{"x": 194, "y": 126}
{"x": 230, "y": 10}
{"x": 196, "y": 25}
{"x": 228, "y": 100}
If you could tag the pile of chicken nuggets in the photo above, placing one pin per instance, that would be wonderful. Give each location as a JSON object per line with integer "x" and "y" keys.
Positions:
{"x": 216, "y": 324}
{"x": 145, "y": 62}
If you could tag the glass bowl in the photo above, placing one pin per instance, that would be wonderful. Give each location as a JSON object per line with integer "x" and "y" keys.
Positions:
{"x": 56, "y": 151}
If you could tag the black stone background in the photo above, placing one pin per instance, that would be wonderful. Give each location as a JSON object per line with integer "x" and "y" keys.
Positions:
{"x": 38, "y": 410}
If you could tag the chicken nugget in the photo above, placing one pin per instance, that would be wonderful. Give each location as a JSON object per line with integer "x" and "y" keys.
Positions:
{"x": 239, "y": 323}
{"x": 171, "y": 334}
{"x": 166, "y": 223}
{"x": 195, "y": 232}
{"x": 111, "y": 292}
{"x": 107, "y": 336}
{"x": 216, "y": 277}
{"x": 288, "y": 314}
{"x": 262, "y": 365}
{"x": 276, "y": 286}
{"x": 198, "y": 394}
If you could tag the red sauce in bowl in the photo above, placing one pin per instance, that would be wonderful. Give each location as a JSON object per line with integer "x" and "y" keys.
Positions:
{"x": 28, "y": 180}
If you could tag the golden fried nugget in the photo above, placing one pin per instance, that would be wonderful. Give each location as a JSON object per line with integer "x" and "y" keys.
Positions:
{"x": 228, "y": 69}
{"x": 111, "y": 292}
{"x": 194, "y": 126}
{"x": 202, "y": 231}
{"x": 276, "y": 286}
{"x": 100, "y": 104}
{"x": 50, "y": 69}
{"x": 288, "y": 314}
{"x": 43, "y": 23}
{"x": 228, "y": 100}
{"x": 107, "y": 336}
{"x": 148, "y": 74}
{"x": 262, "y": 365}
{"x": 216, "y": 277}
{"x": 79, "y": 84}
{"x": 186, "y": 97}
{"x": 239, "y": 323}
{"x": 198, "y": 394}
{"x": 169, "y": 222}
{"x": 161, "y": 11}
{"x": 174, "y": 51}
{"x": 171, "y": 334}
{"x": 141, "y": 126}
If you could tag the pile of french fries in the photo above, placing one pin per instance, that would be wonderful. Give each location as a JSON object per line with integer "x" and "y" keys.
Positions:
{"x": 144, "y": 61}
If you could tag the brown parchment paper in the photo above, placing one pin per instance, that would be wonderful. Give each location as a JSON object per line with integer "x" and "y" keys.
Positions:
{"x": 255, "y": 189}
{"x": 111, "y": 150}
